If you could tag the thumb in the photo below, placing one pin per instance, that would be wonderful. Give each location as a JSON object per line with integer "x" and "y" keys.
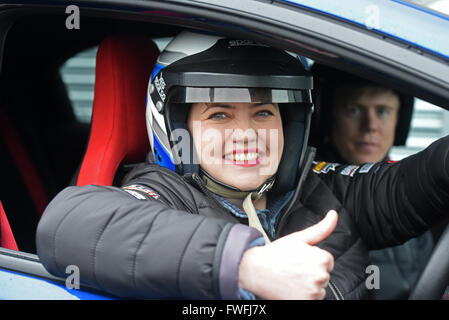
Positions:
{"x": 319, "y": 231}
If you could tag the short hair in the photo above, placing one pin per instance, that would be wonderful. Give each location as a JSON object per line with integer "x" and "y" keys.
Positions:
{"x": 347, "y": 92}
{"x": 327, "y": 83}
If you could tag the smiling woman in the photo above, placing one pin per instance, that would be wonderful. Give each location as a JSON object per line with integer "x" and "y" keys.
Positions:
{"x": 246, "y": 141}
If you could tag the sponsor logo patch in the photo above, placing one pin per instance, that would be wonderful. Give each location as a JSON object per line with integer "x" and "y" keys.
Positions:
{"x": 160, "y": 85}
{"x": 330, "y": 167}
{"x": 239, "y": 43}
{"x": 136, "y": 194}
{"x": 366, "y": 167}
{"x": 324, "y": 167}
{"x": 349, "y": 170}
{"x": 139, "y": 188}
{"x": 319, "y": 167}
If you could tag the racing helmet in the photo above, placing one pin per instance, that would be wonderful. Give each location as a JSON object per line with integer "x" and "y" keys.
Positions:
{"x": 197, "y": 67}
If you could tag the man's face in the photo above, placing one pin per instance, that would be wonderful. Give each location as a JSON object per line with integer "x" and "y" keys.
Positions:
{"x": 239, "y": 144}
{"x": 364, "y": 126}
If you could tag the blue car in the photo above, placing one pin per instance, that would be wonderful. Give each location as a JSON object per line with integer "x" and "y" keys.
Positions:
{"x": 48, "y": 86}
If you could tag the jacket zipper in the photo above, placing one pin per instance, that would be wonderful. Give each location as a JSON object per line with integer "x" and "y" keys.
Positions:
{"x": 199, "y": 182}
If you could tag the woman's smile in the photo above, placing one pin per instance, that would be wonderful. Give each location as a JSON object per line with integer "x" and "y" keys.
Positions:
{"x": 244, "y": 158}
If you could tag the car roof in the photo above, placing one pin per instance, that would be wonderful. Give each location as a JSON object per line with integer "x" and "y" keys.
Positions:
{"x": 405, "y": 21}
{"x": 339, "y": 35}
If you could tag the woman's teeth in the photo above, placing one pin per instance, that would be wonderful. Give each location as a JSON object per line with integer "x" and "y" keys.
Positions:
{"x": 242, "y": 156}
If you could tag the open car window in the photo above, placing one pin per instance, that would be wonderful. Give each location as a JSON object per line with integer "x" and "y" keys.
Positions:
{"x": 429, "y": 123}
{"x": 78, "y": 75}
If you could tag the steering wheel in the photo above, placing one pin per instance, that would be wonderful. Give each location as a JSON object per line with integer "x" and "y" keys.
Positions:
{"x": 435, "y": 277}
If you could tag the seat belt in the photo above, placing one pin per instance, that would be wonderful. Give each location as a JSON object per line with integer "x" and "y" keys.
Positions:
{"x": 23, "y": 162}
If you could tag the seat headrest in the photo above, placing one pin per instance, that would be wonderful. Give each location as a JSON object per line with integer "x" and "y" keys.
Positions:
{"x": 118, "y": 132}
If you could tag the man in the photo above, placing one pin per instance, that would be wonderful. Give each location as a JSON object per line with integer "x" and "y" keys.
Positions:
{"x": 364, "y": 125}
{"x": 363, "y": 121}
{"x": 356, "y": 120}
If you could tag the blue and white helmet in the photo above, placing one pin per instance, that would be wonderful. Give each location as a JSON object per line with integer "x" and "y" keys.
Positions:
{"x": 196, "y": 67}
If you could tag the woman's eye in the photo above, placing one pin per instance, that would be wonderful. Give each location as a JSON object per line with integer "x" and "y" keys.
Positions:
{"x": 218, "y": 116}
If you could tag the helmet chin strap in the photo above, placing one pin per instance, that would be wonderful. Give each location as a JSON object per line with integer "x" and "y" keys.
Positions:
{"x": 230, "y": 192}
{"x": 249, "y": 197}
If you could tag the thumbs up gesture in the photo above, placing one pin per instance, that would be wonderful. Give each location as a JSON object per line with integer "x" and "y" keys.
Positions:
{"x": 290, "y": 268}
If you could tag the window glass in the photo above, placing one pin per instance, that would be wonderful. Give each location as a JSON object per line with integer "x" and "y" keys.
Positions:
{"x": 78, "y": 74}
{"x": 429, "y": 123}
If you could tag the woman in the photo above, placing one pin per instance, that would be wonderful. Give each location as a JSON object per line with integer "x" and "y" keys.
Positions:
{"x": 228, "y": 123}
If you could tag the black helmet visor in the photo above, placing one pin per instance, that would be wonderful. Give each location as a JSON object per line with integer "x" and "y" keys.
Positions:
{"x": 243, "y": 95}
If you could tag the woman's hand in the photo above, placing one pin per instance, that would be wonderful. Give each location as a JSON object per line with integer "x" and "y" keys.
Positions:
{"x": 290, "y": 268}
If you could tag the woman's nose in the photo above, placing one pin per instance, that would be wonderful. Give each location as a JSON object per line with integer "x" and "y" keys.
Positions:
{"x": 244, "y": 135}
{"x": 244, "y": 131}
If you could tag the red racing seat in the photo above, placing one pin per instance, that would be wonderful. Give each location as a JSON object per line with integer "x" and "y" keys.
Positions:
{"x": 7, "y": 238}
{"x": 118, "y": 132}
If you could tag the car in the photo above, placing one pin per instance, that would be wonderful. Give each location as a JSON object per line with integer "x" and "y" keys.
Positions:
{"x": 48, "y": 87}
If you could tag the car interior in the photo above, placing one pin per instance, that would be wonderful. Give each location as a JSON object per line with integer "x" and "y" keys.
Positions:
{"x": 45, "y": 147}
{"x": 44, "y": 143}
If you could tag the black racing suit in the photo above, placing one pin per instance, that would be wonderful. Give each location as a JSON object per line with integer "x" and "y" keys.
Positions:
{"x": 399, "y": 266}
{"x": 162, "y": 235}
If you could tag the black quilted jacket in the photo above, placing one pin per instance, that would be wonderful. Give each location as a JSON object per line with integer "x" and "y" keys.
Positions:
{"x": 164, "y": 236}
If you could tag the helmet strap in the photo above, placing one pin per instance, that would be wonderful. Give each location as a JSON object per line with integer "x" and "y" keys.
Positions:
{"x": 249, "y": 197}
{"x": 230, "y": 192}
